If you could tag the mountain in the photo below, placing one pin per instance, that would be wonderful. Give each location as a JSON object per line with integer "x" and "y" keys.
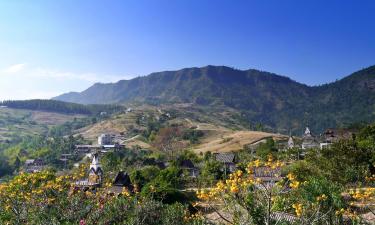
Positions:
{"x": 262, "y": 97}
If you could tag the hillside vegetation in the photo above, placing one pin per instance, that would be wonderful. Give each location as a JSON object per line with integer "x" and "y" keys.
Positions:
{"x": 260, "y": 97}
{"x": 61, "y": 107}
{"x": 19, "y": 123}
{"x": 218, "y": 135}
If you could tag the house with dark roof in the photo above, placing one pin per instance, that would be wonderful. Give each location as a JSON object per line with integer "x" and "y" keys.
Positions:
{"x": 154, "y": 162}
{"x": 189, "y": 168}
{"x": 227, "y": 159}
{"x": 122, "y": 181}
{"x": 332, "y": 135}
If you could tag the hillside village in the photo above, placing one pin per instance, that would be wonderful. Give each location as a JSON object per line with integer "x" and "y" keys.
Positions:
{"x": 168, "y": 155}
{"x": 187, "y": 112}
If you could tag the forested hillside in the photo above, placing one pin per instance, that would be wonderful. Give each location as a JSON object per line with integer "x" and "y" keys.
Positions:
{"x": 261, "y": 97}
{"x": 60, "y": 107}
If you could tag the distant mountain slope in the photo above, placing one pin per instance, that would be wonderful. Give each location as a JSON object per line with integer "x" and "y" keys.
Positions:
{"x": 199, "y": 85}
{"x": 270, "y": 99}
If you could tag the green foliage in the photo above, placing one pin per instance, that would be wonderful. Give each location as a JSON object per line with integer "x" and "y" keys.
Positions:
{"x": 257, "y": 211}
{"x": 315, "y": 187}
{"x": 5, "y": 168}
{"x": 212, "y": 170}
{"x": 69, "y": 127}
{"x": 164, "y": 187}
{"x": 61, "y": 107}
{"x": 309, "y": 194}
{"x": 343, "y": 162}
{"x": 192, "y": 135}
{"x": 346, "y": 161}
{"x": 145, "y": 175}
{"x": 48, "y": 149}
{"x": 267, "y": 148}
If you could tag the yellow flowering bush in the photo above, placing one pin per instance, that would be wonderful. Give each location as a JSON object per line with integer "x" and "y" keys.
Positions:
{"x": 244, "y": 195}
{"x": 26, "y": 193}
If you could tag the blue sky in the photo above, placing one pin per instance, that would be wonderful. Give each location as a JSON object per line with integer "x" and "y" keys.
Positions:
{"x": 51, "y": 47}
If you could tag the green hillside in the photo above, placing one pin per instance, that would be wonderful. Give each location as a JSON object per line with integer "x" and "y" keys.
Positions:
{"x": 61, "y": 107}
{"x": 261, "y": 97}
{"x": 16, "y": 124}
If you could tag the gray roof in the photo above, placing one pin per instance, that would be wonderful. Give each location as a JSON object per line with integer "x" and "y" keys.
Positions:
{"x": 267, "y": 172}
{"x": 281, "y": 216}
{"x": 225, "y": 157}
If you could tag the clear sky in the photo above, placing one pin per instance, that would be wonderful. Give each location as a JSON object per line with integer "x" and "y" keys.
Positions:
{"x": 51, "y": 47}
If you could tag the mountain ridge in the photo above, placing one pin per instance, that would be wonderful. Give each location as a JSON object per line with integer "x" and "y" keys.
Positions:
{"x": 263, "y": 97}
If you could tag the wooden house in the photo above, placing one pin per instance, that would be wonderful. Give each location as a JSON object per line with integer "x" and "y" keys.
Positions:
{"x": 228, "y": 161}
{"x": 188, "y": 167}
{"x": 121, "y": 182}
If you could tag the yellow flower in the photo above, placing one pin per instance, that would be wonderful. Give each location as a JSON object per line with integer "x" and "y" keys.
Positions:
{"x": 239, "y": 173}
{"x": 294, "y": 184}
{"x": 298, "y": 208}
{"x": 234, "y": 189}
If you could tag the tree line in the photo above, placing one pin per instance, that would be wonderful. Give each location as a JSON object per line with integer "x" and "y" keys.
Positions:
{"x": 61, "y": 107}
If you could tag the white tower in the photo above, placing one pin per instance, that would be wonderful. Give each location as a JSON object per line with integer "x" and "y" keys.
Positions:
{"x": 95, "y": 172}
{"x": 290, "y": 142}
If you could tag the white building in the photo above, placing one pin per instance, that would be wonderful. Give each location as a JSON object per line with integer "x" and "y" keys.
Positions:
{"x": 105, "y": 139}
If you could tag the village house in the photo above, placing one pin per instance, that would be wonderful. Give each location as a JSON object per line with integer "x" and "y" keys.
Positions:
{"x": 84, "y": 149}
{"x": 267, "y": 175}
{"x": 34, "y": 165}
{"x": 228, "y": 161}
{"x": 105, "y": 143}
{"x": 188, "y": 168}
{"x": 122, "y": 182}
{"x": 332, "y": 135}
{"x": 105, "y": 139}
{"x": 154, "y": 162}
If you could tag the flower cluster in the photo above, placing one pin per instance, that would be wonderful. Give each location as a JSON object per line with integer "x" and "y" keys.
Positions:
{"x": 298, "y": 209}
{"x": 239, "y": 181}
{"x": 28, "y": 192}
{"x": 321, "y": 198}
{"x": 294, "y": 184}
{"x": 364, "y": 194}
{"x": 271, "y": 163}
{"x": 192, "y": 217}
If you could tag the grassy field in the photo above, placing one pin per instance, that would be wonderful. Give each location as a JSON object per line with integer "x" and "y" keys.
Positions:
{"x": 19, "y": 122}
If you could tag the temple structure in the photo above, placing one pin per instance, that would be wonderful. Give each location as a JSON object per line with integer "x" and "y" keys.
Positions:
{"x": 290, "y": 142}
{"x": 95, "y": 172}
{"x": 308, "y": 140}
{"x": 95, "y": 177}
